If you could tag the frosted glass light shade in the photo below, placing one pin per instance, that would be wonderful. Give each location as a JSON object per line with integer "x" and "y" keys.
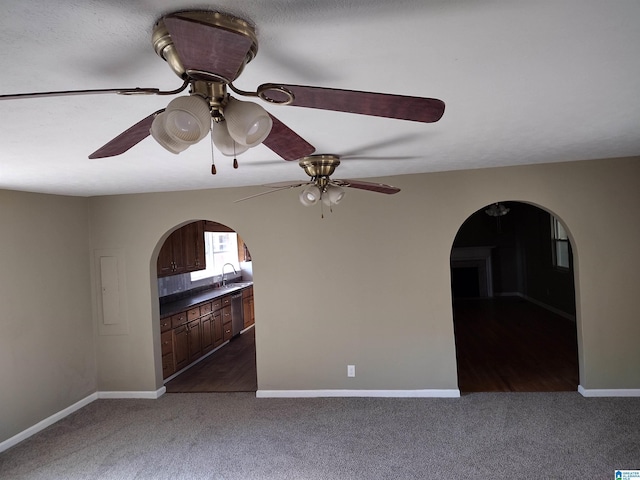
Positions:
{"x": 188, "y": 118}
{"x": 160, "y": 135}
{"x": 310, "y": 195}
{"x": 223, "y": 141}
{"x": 248, "y": 123}
{"x": 332, "y": 195}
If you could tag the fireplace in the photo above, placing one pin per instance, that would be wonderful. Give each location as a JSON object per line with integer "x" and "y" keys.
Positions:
{"x": 471, "y": 272}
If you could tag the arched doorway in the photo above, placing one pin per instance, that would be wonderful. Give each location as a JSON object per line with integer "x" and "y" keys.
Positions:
{"x": 205, "y": 295}
{"x": 514, "y": 301}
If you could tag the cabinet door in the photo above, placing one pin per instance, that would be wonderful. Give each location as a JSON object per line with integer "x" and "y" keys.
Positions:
{"x": 195, "y": 340}
{"x": 177, "y": 245}
{"x": 217, "y": 328}
{"x": 165, "y": 259}
{"x": 181, "y": 347}
{"x": 207, "y": 334}
{"x": 193, "y": 240}
{"x": 247, "y": 311}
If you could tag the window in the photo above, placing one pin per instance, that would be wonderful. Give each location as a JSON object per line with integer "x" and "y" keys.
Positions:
{"x": 559, "y": 244}
{"x": 219, "y": 248}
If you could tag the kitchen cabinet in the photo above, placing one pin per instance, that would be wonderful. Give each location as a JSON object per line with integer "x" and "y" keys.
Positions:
{"x": 195, "y": 340}
{"x": 193, "y": 245}
{"x": 183, "y": 251}
{"x": 181, "y": 347}
{"x": 206, "y": 331}
{"x": 218, "y": 337}
{"x": 188, "y": 335}
{"x": 247, "y": 307}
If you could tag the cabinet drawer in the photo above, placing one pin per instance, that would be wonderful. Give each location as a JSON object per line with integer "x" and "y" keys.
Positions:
{"x": 226, "y": 331}
{"x": 166, "y": 342}
{"x": 226, "y": 315}
{"x": 178, "y": 319}
{"x": 165, "y": 324}
{"x": 247, "y": 292}
{"x": 217, "y": 304}
{"x": 206, "y": 308}
{"x": 226, "y": 301}
{"x": 193, "y": 313}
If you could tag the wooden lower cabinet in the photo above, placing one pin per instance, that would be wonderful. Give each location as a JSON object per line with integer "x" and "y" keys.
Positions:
{"x": 206, "y": 331}
{"x": 217, "y": 329}
{"x": 188, "y": 335}
{"x": 227, "y": 331}
{"x": 195, "y": 340}
{"x": 166, "y": 342}
{"x": 247, "y": 307}
{"x": 181, "y": 346}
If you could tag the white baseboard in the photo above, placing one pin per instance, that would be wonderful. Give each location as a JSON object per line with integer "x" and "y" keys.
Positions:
{"x": 10, "y": 442}
{"x": 608, "y": 392}
{"x": 450, "y": 393}
{"x": 152, "y": 395}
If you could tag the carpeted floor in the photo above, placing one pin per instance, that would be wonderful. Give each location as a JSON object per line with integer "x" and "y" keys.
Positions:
{"x": 235, "y": 436}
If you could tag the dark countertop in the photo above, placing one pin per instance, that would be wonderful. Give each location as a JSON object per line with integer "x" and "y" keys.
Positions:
{"x": 202, "y": 296}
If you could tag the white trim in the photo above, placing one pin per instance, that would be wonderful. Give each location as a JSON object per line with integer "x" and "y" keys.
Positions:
{"x": 609, "y": 392}
{"x": 10, "y": 442}
{"x": 449, "y": 393}
{"x": 555, "y": 310}
{"x": 149, "y": 395}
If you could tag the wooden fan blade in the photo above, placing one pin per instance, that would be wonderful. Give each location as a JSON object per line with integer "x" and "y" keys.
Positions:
{"x": 287, "y": 143}
{"x": 372, "y": 187}
{"x": 127, "y": 139}
{"x": 276, "y": 189}
{"x": 286, "y": 184}
{"x": 402, "y": 107}
{"x": 205, "y": 48}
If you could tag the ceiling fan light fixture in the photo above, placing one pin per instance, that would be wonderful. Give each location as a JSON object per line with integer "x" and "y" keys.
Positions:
{"x": 310, "y": 195}
{"x": 223, "y": 141}
{"x": 159, "y": 133}
{"x": 332, "y": 195}
{"x": 188, "y": 118}
{"x": 248, "y": 123}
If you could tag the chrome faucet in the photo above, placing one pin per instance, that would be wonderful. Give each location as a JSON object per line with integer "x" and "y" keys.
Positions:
{"x": 234, "y": 271}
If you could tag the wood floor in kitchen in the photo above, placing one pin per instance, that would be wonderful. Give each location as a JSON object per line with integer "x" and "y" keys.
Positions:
{"x": 232, "y": 368}
{"x": 502, "y": 345}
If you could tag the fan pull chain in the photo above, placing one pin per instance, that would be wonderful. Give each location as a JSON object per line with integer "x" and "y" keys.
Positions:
{"x": 213, "y": 163}
{"x": 235, "y": 160}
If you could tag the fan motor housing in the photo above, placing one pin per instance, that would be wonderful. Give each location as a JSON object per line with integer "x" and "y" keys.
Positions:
{"x": 165, "y": 49}
{"x": 319, "y": 165}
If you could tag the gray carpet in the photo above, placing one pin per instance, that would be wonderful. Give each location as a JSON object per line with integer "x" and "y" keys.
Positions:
{"x": 236, "y": 436}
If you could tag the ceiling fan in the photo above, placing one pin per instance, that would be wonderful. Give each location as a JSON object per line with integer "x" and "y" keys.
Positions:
{"x": 321, "y": 187}
{"x": 208, "y": 51}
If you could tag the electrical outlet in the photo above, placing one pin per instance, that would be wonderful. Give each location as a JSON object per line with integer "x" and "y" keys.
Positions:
{"x": 351, "y": 370}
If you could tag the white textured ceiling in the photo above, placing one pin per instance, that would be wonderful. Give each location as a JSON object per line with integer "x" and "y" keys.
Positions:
{"x": 523, "y": 82}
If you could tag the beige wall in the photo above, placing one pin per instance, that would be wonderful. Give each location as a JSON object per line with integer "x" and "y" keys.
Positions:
{"x": 328, "y": 294}
{"x": 47, "y": 347}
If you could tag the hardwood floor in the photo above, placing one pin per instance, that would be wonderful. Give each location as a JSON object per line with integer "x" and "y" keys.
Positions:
{"x": 511, "y": 345}
{"x": 230, "y": 369}
{"x": 502, "y": 345}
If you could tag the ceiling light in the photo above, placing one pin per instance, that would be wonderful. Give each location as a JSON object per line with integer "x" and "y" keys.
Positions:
{"x": 168, "y": 142}
{"x": 310, "y": 195}
{"x": 248, "y": 123}
{"x": 332, "y": 195}
{"x": 223, "y": 141}
{"x": 188, "y": 118}
{"x": 185, "y": 121}
{"x": 497, "y": 210}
